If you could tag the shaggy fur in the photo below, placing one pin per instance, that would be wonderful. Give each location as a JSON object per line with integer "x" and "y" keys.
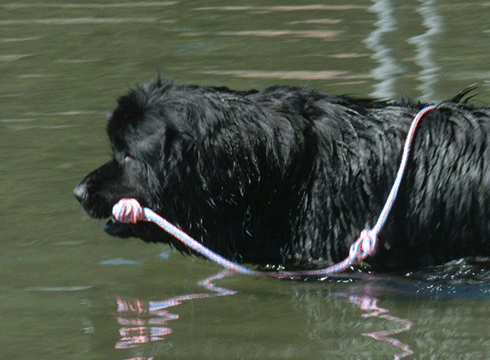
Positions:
{"x": 291, "y": 176}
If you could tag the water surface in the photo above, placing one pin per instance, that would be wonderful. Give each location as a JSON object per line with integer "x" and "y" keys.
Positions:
{"x": 70, "y": 291}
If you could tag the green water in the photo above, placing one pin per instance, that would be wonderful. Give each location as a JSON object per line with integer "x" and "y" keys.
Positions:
{"x": 62, "y": 67}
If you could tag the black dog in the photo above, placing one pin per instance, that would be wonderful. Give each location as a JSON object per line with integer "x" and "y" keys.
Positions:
{"x": 291, "y": 176}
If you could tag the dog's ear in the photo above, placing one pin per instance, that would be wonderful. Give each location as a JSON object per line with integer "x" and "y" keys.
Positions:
{"x": 133, "y": 107}
{"x": 171, "y": 135}
{"x": 129, "y": 112}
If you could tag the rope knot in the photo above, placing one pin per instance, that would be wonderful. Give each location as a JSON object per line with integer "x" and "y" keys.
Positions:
{"x": 364, "y": 246}
{"x": 128, "y": 211}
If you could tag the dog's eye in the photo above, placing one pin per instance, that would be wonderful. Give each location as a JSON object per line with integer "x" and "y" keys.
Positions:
{"x": 123, "y": 159}
{"x": 127, "y": 159}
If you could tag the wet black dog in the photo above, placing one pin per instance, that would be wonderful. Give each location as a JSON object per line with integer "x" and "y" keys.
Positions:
{"x": 291, "y": 176}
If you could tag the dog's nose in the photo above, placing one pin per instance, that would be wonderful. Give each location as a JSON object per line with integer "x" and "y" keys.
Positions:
{"x": 80, "y": 192}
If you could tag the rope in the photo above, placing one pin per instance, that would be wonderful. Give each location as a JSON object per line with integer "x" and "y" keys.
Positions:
{"x": 130, "y": 211}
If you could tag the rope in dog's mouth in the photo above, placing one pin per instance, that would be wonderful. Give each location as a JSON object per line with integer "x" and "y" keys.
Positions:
{"x": 130, "y": 211}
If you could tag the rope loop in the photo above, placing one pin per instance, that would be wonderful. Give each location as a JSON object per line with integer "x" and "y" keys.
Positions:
{"x": 128, "y": 211}
{"x": 364, "y": 246}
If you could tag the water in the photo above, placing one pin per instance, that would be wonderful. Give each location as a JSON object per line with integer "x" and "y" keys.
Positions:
{"x": 70, "y": 291}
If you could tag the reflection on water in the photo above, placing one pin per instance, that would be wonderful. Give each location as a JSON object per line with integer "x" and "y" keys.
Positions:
{"x": 139, "y": 331}
{"x": 425, "y": 44}
{"x": 144, "y": 322}
{"x": 371, "y": 304}
{"x": 389, "y": 69}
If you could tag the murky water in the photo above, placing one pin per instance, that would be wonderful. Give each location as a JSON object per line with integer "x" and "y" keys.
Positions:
{"x": 70, "y": 291}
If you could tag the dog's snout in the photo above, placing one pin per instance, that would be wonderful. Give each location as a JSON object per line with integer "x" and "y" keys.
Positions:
{"x": 80, "y": 192}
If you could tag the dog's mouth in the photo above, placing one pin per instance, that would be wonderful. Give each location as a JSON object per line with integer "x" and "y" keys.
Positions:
{"x": 144, "y": 230}
{"x": 116, "y": 228}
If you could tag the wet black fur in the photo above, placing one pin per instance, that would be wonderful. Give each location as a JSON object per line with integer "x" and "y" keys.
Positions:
{"x": 291, "y": 176}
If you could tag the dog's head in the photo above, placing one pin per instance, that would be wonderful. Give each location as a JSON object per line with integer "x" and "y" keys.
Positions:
{"x": 140, "y": 136}
{"x": 159, "y": 138}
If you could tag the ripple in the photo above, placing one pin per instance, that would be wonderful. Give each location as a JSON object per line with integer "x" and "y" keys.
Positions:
{"x": 58, "y": 288}
{"x": 83, "y": 21}
{"x": 119, "y": 261}
{"x": 289, "y": 75}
